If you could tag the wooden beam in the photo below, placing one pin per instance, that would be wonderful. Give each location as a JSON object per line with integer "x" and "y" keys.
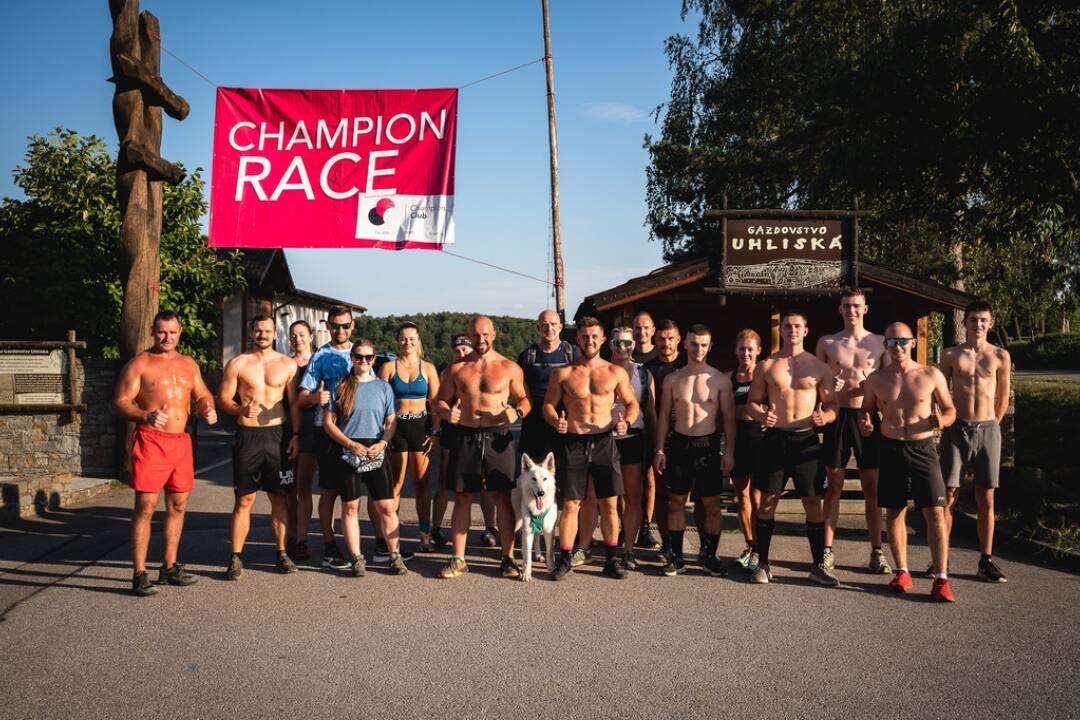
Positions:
{"x": 922, "y": 336}
{"x": 774, "y": 331}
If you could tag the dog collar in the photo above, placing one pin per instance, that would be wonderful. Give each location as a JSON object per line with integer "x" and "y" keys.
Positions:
{"x": 536, "y": 522}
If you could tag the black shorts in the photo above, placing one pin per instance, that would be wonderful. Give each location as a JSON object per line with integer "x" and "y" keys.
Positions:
{"x": 582, "y": 457}
{"x": 748, "y": 438}
{"x": 842, "y": 438}
{"x": 380, "y": 482}
{"x": 693, "y": 463}
{"x": 411, "y": 433}
{"x": 910, "y": 469}
{"x": 328, "y": 454}
{"x": 447, "y": 436}
{"x": 632, "y": 447}
{"x": 537, "y": 437}
{"x": 308, "y": 432}
{"x": 482, "y": 459}
{"x": 260, "y": 460}
{"x": 788, "y": 453}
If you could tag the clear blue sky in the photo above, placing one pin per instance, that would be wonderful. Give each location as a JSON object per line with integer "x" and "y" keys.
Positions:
{"x": 610, "y": 72}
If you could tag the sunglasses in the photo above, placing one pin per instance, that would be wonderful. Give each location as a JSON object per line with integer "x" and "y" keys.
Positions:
{"x": 622, "y": 343}
{"x": 356, "y": 357}
{"x": 338, "y": 326}
{"x": 898, "y": 341}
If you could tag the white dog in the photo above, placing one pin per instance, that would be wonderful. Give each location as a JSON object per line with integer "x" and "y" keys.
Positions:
{"x": 533, "y": 499}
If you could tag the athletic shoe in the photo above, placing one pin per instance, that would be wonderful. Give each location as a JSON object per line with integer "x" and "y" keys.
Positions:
{"x": 455, "y": 568}
{"x": 141, "y": 586}
{"x": 901, "y": 583}
{"x": 649, "y": 537}
{"x": 990, "y": 572}
{"x": 438, "y": 538}
{"x": 579, "y": 557}
{"x": 332, "y": 557}
{"x": 509, "y": 569}
{"x": 752, "y": 562}
{"x": 406, "y": 556}
{"x": 673, "y": 566}
{"x": 823, "y": 576}
{"x": 761, "y": 574}
{"x": 941, "y": 592}
{"x": 878, "y": 563}
{"x": 715, "y": 567}
{"x": 829, "y": 560}
{"x": 489, "y": 538}
{"x": 425, "y": 543}
{"x": 301, "y": 552}
{"x": 629, "y": 561}
{"x": 284, "y": 565}
{"x": 744, "y": 557}
{"x": 357, "y": 567}
{"x": 236, "y": 568}
{"x": 396, "y": 565}
{"x": 176, "y": 575}
{"x": 381, "y": 555}
{"x": 613, "y": 568}
{"x": 563, "y": 567}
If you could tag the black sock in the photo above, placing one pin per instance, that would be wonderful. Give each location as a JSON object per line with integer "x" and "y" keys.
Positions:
{"x": 234, "y": 555}
{"x": 609, "y": 551}
{"x": 380, "y": 545}
{"x": 875, "y": 548}
{"x": 711, "y": 543}
{"x": 763, "y": 530}
{"x": 677, "y": 542}
{"x": 984, "y": 558}
{"x": 815, "y": 532}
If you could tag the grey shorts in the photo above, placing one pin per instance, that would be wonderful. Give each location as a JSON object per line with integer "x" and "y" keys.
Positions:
{"x": 971, "y": 447}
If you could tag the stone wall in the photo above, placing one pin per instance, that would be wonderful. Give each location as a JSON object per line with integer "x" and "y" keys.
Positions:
{"x": 51, "y": 445}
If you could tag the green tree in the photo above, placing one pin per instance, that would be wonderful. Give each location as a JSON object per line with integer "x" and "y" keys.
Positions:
{"x": 958, "y": 123}
{"x": 59, "y": 244}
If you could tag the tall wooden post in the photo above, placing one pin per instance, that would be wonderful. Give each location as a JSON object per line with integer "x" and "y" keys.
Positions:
{"x": 556, "y": 226}
{"x": 140, "y": 95}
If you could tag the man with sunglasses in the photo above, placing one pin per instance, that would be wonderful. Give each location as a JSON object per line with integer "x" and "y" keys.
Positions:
{"x": 914, "y": 403}
{"x": 260, "y": 379}
{"x": 792, "y": 395}
{"x": 853, "y": 353}
{"x": 327, "y": 367}
{"x": 978, "y": 373}
{"x": 475, "y": 396}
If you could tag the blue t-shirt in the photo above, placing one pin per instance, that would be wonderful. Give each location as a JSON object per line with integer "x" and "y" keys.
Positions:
{"x": 538, "y": 373}
{"x": 372, "y": 404}
{"x": 328, "y": 366}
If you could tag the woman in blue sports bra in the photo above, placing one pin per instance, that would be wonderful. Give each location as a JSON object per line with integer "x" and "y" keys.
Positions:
{"x": 415, "y": 383}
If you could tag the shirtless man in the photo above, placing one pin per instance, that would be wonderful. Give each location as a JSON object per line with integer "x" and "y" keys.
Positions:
{"x": 792, "y": 395}
{"x": 853, "y": 353}
{"x": 475, "y": 397}
{"x": 261, "y": 378}
{"x": 587, "y": 390}
{"x": 698, "y": 396}
{"x": 155, "y": 390}
{"x": 978, "y": 374}
{"x": 914, "y": 402}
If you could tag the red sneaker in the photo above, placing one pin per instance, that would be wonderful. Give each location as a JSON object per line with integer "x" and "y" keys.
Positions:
{"x": 941, "y": 592}
{"x": 901, "y": 583}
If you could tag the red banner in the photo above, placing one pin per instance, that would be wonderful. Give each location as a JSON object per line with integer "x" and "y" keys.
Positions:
{"x": 333, "y": 168}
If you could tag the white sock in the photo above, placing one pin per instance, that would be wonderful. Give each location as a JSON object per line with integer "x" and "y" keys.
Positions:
{"x": 941, "y": 576}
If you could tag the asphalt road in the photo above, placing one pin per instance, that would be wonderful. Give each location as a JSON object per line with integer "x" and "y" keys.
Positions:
{"x": 318, "y": 644}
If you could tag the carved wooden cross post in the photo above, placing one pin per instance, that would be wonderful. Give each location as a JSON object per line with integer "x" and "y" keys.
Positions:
{"x": 135, "y": 50}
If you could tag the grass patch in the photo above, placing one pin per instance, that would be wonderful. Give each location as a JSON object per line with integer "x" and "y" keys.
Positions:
{"x": 1047, "y": 424}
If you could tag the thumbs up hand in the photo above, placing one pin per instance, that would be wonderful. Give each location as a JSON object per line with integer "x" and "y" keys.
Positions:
{"x": 838, "y": 381}
{"x": 935, "y": 416}
{"x": 251, "y": 409}
{"x": 324, "y": 394}
{"x": 818, "y": 416}
{"x": 563, "y": 426}
{"x": 866, "y": 425}
{"x": 506, "y": 413}
{"x": 770, "y": 417}
{"x": 621, "y": 427}
{"x": 455, "y": 412}
{"x": 157, "y": 419}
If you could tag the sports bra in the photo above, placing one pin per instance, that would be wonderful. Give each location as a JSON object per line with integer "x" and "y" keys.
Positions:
{"x": 415, "y": 390}
{"x": 741, "y": 389}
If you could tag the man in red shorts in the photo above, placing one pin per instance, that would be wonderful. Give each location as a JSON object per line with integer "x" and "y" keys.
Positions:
{"x": 156, "y": 390}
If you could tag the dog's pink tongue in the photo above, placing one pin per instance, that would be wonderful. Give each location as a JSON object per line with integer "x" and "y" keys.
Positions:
{"x": 539, "y": 503}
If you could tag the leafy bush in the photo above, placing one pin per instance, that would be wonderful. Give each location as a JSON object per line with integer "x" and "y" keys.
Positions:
{"x": 1051, "y": 352}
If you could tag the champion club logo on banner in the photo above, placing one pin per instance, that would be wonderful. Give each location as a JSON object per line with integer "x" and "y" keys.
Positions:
{"x": 333, "y": 168}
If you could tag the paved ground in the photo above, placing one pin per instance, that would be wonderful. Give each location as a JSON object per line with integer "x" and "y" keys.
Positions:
{"x": 319, "y": 645}
{"x": 1066, "y": 375}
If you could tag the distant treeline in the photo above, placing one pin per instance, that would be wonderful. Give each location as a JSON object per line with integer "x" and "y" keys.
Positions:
{"x": 436, "y": 330}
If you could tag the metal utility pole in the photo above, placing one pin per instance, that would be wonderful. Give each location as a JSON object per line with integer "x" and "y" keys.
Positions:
{"x": 556, "y": 230}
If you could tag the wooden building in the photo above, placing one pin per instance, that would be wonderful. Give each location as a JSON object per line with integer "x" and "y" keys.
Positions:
{"x": 684, "y": 292}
